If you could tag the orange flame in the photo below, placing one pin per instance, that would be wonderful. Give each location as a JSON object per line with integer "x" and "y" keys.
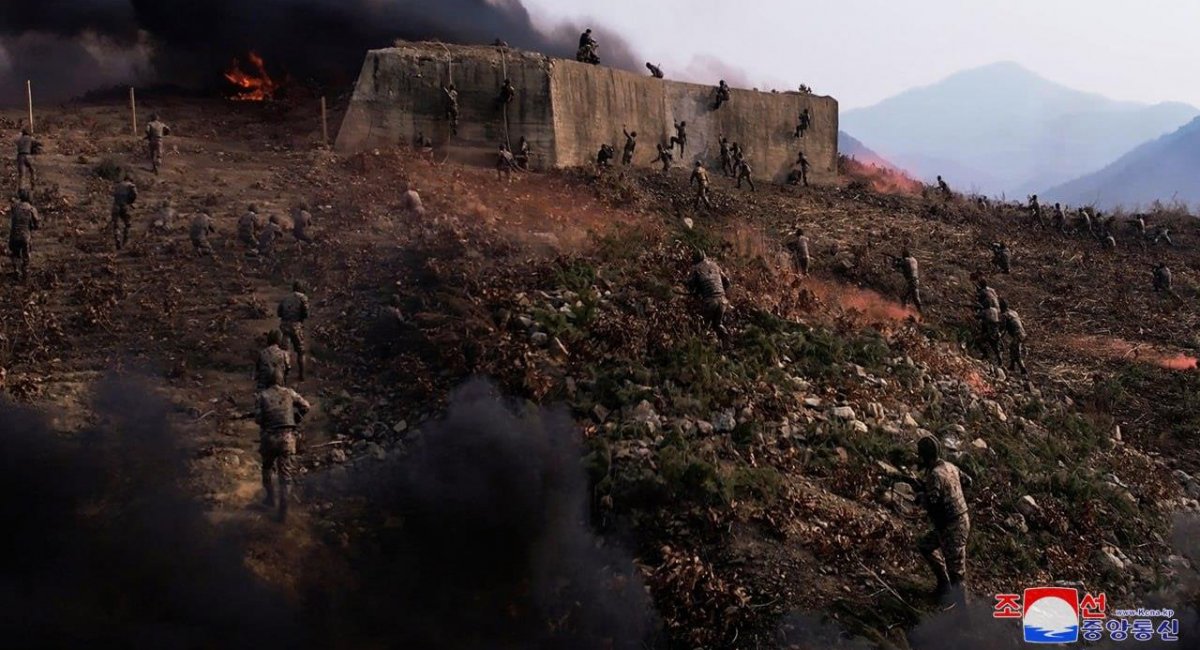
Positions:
{"x": 256, "y": 86}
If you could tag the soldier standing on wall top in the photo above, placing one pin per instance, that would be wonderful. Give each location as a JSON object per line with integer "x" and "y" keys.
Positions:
{"x": 451, "y": 94}
{"x": 655, "y": 71}
{"x": 722, "y": 93}
{"x": 803, "y": 123}
{"x": 587, "y": 49}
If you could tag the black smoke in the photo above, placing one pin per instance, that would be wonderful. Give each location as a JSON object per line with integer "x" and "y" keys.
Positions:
{"x": 102, "y": 547}
{"x": 190, "y": 42}
{"x": 492, "y": 547}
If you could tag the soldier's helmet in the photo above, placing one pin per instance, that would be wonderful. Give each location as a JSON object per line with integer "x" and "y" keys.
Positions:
{"x": 298, "y": 286}
{"x": 451, "y": 86}
{"x": 154, "y": 117}
{"x": 274, "y": 219}
{"x": 799, "y": 230}
{"x": 23, "y": 195}
{"x": 697, "y": 163}
{"x": 633, "y": 134}
{"x": 587, "y": 31}
{"x": 252, "y": 208}
{"x": 1003, "y": 305}
{"x": 683, "y": 123}
{"x": 698, "y": 256}
{"x": 927, "y": 449}
{"x": 24, "y": 130}
{"x": 905, "y": 253}
{"x": 274, "y": 337}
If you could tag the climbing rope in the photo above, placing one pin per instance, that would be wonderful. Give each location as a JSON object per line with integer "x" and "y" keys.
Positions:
{"x": 504, "y": 107}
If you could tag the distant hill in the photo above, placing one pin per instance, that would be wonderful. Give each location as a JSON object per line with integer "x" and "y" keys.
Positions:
{"x": 852, "y": 147}
{"x": 1163, "y": 169}
{"x": 1003, "y": 129}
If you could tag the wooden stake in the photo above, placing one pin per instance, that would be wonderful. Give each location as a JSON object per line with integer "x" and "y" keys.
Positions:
{"x": 29, "y": 95}
{"x": 133, "y": 110}
{"x": 324, "y": 123}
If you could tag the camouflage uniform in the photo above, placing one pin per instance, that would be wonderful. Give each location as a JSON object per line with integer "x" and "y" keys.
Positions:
{"x": 989, "y": 325}
{"x": 986, "y": 297}
{"x": 163, "y": 219}
{"x": 1085, "y": 221}
{"x": 1001, "y": 257}
{"x": 411, "y": 203}
{"x": 945, "y": 188}
{"x": 25, "y": 147}
{"x": 272, "y": 367}
{"x": 722, "y": 93}
{"x": 743, "y": 173}
{"x": 451, "y": 107}
{"x": 505, "y": 163}
{"x": 124, "y": 195}
{"x": 1016, "y": 340}
{"x": 655, "y": 71}
{"x": 247, "y": 229}
{"x": 630, "y": 145}
{"x": 665, "y": 157}
{"x": 278, "y": 411}
{"x": 155, "y": 132}
{"x": 798, "y": 247}
{"x": 680, "y": 137}
{"x": 22, "y": 220}
{"x": 267, "y": 238}
{"x": 1162, "y": 282}
{"x": 301, "y": 223}
{"x": 802, "y": 123}
{"x": 507, "y": 93}
{"x": 293, "y": 311}
{"x": 726, "y": 157}
{"x": 605, "y": 156}
{"x": 907, "y": 265}
{"x": 802, "y": 166}
{"x": 1060, "y": 219}
{"x": 1035, "y": 210}
{"x": 201, "y": 228}
{"x": 945, "y": 547}
{"x": 709, "y": 283}
{"x": 700, "y": 179}
{"x": 524, "y": 153}
{"x": 1163, "y": 233}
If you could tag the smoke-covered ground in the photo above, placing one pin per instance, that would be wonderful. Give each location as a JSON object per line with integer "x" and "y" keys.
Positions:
{"x": 68, "y": 47}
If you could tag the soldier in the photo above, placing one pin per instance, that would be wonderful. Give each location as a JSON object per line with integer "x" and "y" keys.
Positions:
{"x": 985, "y": 296}
{"x": 22, "y": 221}
{"x": 411, "y": 203}
{"x": 802, "y": 167}
{"x": 945, "y": 188}
{"x": 700, "y": 179}
{"x": 907, "y": 264}
{"x": 989, "y": 329}
{"x": 1162, "y": 281}
{"x": 797, "y": 245}
{"x": 1162, "y": 233}
{"x": 722, "y": 93}
{"x": 124, "y": 195}
{"x": 605, "y": 156}
{"x": 709, "y": 283}
{"x": 680, "y": 137}
{"x": 278, "y": 412}
{"x": 802, "y": 124}
{"x": 451, "y": 95}
{"x": 26, "y": 148}
{"x": 630, "y": 146}
{"x": 507, "y": 93}
{"x": 247, "y": 227}
{"x": 1060, "y": 219}
{"x": 1035, "y": 210}
{"x": 1109, "y": 243}
{"x": 655, "y": 71}
{"x": 735, "y": 150}
{"x": 1001, "y": 257}
{"x": 665, "y": 156}
{"x": 1016, "y": 338}
{"x": 163, "y": 218}
{"x": 505, "y": 163}
{"x": 586, "y": 39}
{"x": 293, "y": 311}
{"x": 743, "y": 173}
{"x": 1084, "y": 219}
{"x": 944, "y": 547}
{"x": 273, "y": 364}
{"x": 588, "y": 47}
{"x": 269, "y": 235}
{"x": 302, "y": 222}
{"x": 524, "y": 153}
{"x": 201, "y": 228}
{"x": 155, "y": 132}
{"x": 726, "y": 157}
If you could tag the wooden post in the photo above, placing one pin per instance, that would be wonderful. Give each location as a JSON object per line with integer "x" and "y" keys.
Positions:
{"x": 29, "y": 96}
{"x": 133, "y": 110}
{"x": 324, "y": 123}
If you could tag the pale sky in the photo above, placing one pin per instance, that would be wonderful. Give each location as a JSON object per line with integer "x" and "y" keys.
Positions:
{"x": 863, "y": 51}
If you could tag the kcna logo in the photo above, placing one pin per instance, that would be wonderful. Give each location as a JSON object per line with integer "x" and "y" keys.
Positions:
{"x": 1051, "y": 615}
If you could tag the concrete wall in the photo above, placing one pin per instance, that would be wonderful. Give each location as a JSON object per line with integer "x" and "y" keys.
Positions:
{"x": 567, "y": 109}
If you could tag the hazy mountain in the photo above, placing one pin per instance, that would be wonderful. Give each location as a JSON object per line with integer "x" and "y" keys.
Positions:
{"x": 1003, "y": 129}
{"x": 1163, "y": 169}
{"x": 850, "y": 146}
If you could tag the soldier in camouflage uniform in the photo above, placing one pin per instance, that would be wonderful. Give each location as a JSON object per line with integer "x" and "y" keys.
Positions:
{"x": 700, "y": 179}
{"x": 680, "y": 137}
{"x": 655, "y": 71}
{"x": 505, "y": 163}
{"x": 797, "y": 245}
{"x": 1084, "y": 219}
{"x": 293, "y": 311}
{"x": 523, "y": 154}
{"x": 664, "y": 156}
{"x": 907, "y": 264}
{"x": 630, "y": 146}
{"x": 743, "y": 174}
{"x": 1016, "y": 338}
{"x": 944, "y": 547}
{"x": 269, "y": 235}
{"x": 278, "y": 412}
{"x": 989, "y": 330}
{"x": 709, "y": 283}
{"x": 726, "y": 157}
{"x": 302, "y": 222}
{"x": 273, "y": 364}
{"x": 247, "y": 227}
{"x": 802, "y": 165}
{"x": 22, "y": 221}
{"x": 605, "y": 156}
{"x": 1163, "y": 283}
{"x": 201, "y": 227}
{"x": 1001, "y": 257}
{"x": 722, "y": 93}
{"x": 945, "y": 188}
{"x": 1035, "y": 210}
{"x": 155, "y": 132}
{"x": 802, "y": 124}
{"x": 451, "y": 94}
{"x": 26, "y": 147}
{"x": 1162, "y": 233}
{"x": 985, "y": 296}
{"x": 164, "y": 219}
{"x": 124, "y": 195}
{"x": 1060, "y": 219}
{"x": 508, "y": 92}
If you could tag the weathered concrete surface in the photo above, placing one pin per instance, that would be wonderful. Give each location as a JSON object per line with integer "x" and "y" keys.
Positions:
{"x": 568, "y": 109}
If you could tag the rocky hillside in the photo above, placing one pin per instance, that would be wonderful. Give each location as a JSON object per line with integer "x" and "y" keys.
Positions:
{"x": 622, "y": 480}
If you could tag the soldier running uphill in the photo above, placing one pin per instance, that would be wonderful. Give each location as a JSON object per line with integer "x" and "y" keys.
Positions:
{"x": 247, "y": 227}
{"x": 945, "y": 546}
{"x": 293, "y": 312}
{"x": 700, "y": 179}
{"x": 709, "y": 283}
{"x": 1001, "y": 257}
{"x": 743, "y": 174}
{"x": 201, "y": 228}
{"x": 989, "y": 330}
{"x": 124, "y": 195}
{"x": 1015, "y": 330}
{"x": 1162, "y": 282}
{"x": 155, "y": 132}
{"x": 302, "y": 223}
{"x": 27, "y": 147}
{"x": 797, "y": 245}
{"x": 279, "y": 411}
{"x": 907, "y": 265}
{"x": 267, "y": 238}
{"x": 273, "y": 364}
{"x": 22, "y": 221}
